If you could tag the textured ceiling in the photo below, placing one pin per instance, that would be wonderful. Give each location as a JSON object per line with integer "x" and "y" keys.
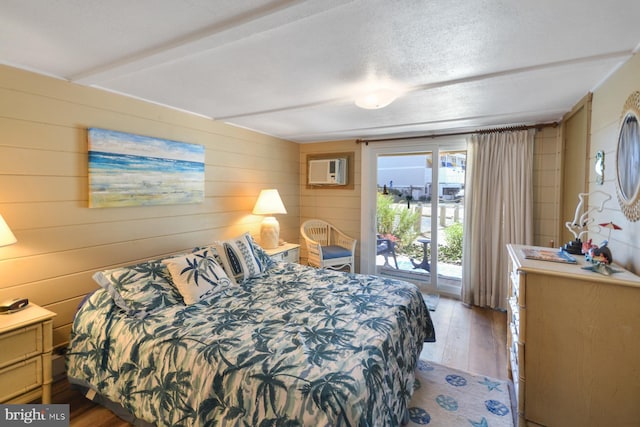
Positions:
{"x": 293, "y": 68}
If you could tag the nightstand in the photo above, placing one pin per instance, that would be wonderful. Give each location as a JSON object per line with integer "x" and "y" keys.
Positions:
{"x": 26, "y": 340}
{"x": 289, "y": 252}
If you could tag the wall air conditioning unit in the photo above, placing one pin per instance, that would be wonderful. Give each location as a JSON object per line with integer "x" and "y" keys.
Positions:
{"x": 328, "y": 172}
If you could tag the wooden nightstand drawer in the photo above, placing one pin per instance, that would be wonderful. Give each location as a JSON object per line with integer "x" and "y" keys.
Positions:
{"x": 20, "y": 344}
{"x": 292, "y": 255}
{"x": 289, "y": 252}
{"x": 20, "y": 378}
{"x": 26, "y": 343}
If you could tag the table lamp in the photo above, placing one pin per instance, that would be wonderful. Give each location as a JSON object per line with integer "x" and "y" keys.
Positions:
{"x": 269, "y": 203}
{"x": 6, "y": 236}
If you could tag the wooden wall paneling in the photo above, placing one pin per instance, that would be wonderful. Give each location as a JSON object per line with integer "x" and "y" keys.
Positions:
{"x": 341, "y": 207}
{"x": 546, "y": 184}
{"x": 22, "y": 270}
{"x": 55, "y": 289}
{"x": 61, "y": 335}
{"x": 608, "y": 102}
{"x": 44, "y": 185}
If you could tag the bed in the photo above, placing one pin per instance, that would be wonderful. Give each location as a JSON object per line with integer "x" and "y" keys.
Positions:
{"x": 266, "y": 344}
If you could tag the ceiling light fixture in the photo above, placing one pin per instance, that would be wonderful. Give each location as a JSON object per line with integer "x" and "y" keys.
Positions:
{"x": 378, "y": 98}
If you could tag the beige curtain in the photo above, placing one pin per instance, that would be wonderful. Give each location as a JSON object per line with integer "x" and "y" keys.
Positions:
{"x": 498, "y": 210}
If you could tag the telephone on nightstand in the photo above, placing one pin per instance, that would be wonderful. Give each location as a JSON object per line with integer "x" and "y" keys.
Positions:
{"x": 13, "y": 305}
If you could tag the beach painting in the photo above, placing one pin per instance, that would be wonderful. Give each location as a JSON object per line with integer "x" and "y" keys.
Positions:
{"x": 135, "y": 170}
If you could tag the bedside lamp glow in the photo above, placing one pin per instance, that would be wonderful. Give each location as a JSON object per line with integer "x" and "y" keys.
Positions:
{"x": 6, "y": 236}
{"x": 269, "y": 203}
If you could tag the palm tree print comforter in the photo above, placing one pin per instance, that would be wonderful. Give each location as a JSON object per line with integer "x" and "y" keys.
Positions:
{"x": 295, "y": 347}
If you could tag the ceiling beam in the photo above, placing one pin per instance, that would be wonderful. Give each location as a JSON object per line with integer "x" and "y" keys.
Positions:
{"x": 256, "y": 21}
{"x": 621, "y": 55}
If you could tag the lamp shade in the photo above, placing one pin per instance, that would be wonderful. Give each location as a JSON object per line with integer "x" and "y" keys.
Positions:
{"x": 269, "y": 203}
{"x": 6, "y": 236}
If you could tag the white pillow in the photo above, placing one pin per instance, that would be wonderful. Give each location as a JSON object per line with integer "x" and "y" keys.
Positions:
{"x": 197, "y": 275}
{"x": 241, "y": 262}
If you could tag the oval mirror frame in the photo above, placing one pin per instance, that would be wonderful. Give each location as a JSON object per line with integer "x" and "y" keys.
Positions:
{"x": 628, "y": 159}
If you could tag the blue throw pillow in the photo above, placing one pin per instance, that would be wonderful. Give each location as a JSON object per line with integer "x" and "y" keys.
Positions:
{"x": 243, "y": 258}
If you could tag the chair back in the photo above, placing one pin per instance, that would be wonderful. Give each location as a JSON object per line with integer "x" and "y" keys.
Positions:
{"x": 317, "y": 230}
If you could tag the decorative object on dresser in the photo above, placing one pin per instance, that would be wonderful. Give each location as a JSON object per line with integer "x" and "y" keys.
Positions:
{"x": 287, "y": 252}
{"x": 597, "y": 257}
{"x": 573, "y": 342}
{"x": 544, "y": 254}
{"x": 26, "y": 340}
{"x": 582, "y": 222}
{"x": 269, "y": 203}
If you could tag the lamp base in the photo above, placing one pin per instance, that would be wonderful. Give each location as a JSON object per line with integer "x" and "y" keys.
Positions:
{"x": 269, "y": 232}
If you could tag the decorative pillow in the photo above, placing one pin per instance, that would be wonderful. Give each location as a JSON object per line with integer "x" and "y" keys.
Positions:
{"x": 240, "y": 258}
{"x": 197, "y": 275}
{"x": 139, "y": 289}
{"x": 262, "y": 256}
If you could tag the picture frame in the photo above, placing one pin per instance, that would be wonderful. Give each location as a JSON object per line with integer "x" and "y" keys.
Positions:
{"x": 127, "y": 169}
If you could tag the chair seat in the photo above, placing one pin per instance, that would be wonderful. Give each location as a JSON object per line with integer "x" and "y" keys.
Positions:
{"x": 331, "y": 252}
{"x": 382, "y": 247}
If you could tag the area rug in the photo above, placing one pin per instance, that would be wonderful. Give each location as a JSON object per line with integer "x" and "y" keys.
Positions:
{"x": 446, "y": 397}
{"x": 432, "y": 301}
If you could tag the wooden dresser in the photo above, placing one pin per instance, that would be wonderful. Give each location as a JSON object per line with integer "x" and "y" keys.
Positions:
{"x": 573, "y": 343}
{"x": 25, "y": 355}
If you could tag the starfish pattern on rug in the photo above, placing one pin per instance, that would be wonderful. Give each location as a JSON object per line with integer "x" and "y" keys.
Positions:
{"x": 481, "y": 423}
{"x": 491, "y": 385}
{"x": 445, "y": 396}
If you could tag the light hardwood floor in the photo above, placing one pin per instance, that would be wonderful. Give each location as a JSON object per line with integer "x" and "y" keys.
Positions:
{"x": 471, "y": 339}
{"x": 467, "y": 338}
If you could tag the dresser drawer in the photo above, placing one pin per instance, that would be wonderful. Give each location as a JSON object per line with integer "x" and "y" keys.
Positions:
{"x": 518, "y": 281}
{"x": 20, "y": 344}
{"x": 517, "y": 316}
{"x": 515, "y": 369}
{"x": 514, "y": 312}
{"x": 20, "y": 378}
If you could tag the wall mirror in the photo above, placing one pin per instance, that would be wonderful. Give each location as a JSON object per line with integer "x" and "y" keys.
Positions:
{"x": 628, "y": 159}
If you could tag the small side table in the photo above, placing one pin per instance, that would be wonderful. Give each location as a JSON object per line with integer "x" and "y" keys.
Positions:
{"x": 26, "y": 340}
{"x": 288, "y": 252}
{"x": 424, "y": 264}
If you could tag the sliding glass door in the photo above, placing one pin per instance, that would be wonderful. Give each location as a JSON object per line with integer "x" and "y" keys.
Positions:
{"x": 413, "y": 192}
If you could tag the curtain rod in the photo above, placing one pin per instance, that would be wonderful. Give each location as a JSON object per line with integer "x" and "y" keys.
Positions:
{"x": 437, "y": 135}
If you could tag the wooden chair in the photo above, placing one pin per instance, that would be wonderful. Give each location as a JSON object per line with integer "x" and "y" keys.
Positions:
{"x": 328, "y": 247}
